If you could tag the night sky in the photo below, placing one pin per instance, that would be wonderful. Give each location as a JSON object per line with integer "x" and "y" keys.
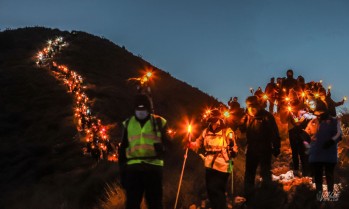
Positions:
{"x": 223, "y": 48}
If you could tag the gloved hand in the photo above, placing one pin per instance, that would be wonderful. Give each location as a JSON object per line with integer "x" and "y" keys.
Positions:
{"x": 328, "y": 144}
{"x": 276, "y": 152}
{"x": 233, "y": 151}
{"x": 191, "y": 145}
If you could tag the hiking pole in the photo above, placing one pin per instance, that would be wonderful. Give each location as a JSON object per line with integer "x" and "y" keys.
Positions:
{"x": 232, "y": 179}
{"x": 182, "y": 172}
{"x": 232, "y": 167}
{"x": 235, "y": 151}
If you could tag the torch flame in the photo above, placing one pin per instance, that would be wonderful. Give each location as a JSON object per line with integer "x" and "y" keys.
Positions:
{"x": 149, "y": 74}
{"x": 345, "y": 98}
{"x": 289, "y": 108}
{"x": 226, "y": 114}
{"x": 265, "y": 97}
{"x": 189, "y": 128}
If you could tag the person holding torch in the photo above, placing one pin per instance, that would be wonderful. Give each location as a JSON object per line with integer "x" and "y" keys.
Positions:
{"x": 331, "y": 104}
{"x": 220, "y": 147}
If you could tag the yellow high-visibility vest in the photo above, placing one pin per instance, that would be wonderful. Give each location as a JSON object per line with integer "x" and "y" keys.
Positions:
{"x": 141, "y": 141}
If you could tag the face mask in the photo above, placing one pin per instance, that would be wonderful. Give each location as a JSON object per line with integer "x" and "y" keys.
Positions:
{"x": 141, "y": 114}
{"x": 312, "y": 105}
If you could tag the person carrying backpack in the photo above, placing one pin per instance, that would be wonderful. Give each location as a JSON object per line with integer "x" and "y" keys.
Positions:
{"x": 220, "y": 147}
{"x": 141, "y": 155}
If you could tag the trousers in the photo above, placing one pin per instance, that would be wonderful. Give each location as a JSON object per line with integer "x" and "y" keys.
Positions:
{"x": 216, "y": 184}
{"x": 144, "y": 179}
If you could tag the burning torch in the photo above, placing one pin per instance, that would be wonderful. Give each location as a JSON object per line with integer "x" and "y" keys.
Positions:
{"x": 144, "y": 88}
{"x": 143, "y": 83}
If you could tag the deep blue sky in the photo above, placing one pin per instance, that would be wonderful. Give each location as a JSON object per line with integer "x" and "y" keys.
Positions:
{"x": 221, "y": 47}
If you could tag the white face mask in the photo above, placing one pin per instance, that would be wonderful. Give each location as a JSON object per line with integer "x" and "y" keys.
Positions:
{"x": 141, "y": 114}
{"x": 312, "y": 105}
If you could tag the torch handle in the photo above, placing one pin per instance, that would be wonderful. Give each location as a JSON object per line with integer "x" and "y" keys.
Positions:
{"x": 181, "y": 177}
{"x": 182, "y": 173}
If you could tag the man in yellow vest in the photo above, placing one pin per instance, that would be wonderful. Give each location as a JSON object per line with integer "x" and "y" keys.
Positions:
{"x": 140, "y": 157}
{"x": 220, "y": 147}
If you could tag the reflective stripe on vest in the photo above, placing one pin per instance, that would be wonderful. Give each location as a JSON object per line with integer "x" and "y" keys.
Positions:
{"x": 141, "y": 142}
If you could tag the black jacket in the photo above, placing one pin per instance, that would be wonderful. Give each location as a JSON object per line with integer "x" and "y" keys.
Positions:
{"x": 262, "y": 132}
{"x": 290, "y": 83}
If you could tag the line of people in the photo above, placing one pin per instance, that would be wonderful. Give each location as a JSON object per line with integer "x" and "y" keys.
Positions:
{"x": 95, "y": 134}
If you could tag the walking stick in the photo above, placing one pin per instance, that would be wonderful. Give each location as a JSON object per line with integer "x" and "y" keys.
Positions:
{"x": 232, "y": 179}
{"x": 182, "y": 172}
{"x": 232, "y": 170}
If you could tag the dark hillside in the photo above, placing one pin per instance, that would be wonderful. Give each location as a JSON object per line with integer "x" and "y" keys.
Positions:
{"x": 41, "y": 161}
{"x": 107, "y": 67}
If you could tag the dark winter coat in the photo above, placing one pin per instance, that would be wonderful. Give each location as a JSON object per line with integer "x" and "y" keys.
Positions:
{"x": 290, "y": 83}
{"x": 318, "y": 151}
{"x": 262, "y": 132}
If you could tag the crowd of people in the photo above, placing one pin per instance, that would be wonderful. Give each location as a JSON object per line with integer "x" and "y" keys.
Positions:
{"x": 307, "y": 108}
{"x": 90, "y": 127}
{"x": 313, "y": 126}
{"x": 288, "y": 93}
{"x": 140, "y": 160}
